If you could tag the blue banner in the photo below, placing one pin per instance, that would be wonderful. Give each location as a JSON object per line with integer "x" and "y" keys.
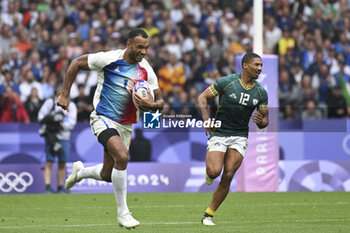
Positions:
{"x": 300, "y": 175}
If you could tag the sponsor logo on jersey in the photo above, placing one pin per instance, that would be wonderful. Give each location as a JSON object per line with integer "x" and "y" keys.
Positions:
{"x": 233, "y": 96}
{"x": 255, "y": 101}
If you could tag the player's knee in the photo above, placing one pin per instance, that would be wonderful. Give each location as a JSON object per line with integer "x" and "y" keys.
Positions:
{"x": 121, "y": 161}
{"x": 213, "y": 173}
{"x": 124, "y": 157}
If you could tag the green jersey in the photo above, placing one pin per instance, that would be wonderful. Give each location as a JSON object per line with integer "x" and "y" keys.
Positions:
{"x": 236, "y": 104}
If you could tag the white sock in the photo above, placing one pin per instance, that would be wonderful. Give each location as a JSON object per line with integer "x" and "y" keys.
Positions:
{"x": 119, "y": 183}
{"x": 90, "y": 172}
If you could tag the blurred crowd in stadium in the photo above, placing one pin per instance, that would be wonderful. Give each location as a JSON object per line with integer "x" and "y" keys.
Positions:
{"x": 193, "y": 43}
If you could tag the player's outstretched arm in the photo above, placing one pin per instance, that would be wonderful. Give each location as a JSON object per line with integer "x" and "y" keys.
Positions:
{"x": 261, "y": 118}
{"x": 80, "y": 63}
{"x": 204, "y": 108}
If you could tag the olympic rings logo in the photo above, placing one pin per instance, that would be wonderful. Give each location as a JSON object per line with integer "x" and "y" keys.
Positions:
{"x": 12, "y": 181}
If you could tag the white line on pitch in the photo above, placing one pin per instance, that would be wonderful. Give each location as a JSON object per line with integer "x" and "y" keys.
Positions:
{"x": 179, "y": 223}
{"x": 197, "y": 205}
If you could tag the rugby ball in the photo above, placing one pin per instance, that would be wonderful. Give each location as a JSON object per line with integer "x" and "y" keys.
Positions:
{"x": 142, "y": 88}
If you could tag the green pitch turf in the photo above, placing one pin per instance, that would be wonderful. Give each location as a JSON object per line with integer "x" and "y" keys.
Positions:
{"x": 177, "y": 212}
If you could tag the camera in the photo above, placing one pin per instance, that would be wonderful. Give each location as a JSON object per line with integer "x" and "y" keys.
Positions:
{"x": 50, "y": 126}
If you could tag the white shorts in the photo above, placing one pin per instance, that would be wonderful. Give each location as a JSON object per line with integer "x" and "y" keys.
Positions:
{"x": 217, "y": 143}
{"x": 100, "y": 123}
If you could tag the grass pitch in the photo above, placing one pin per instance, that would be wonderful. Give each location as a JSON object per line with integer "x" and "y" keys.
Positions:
{"x": 177, "y": 212}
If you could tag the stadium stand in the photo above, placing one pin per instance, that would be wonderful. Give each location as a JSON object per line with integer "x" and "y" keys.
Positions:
{"x": 193, "y": 43}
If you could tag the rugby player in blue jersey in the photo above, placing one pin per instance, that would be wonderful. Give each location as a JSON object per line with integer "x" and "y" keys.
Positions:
{"x": 114, "y": 112}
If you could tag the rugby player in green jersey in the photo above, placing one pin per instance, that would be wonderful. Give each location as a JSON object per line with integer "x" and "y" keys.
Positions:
{"x": 239, "y": 95}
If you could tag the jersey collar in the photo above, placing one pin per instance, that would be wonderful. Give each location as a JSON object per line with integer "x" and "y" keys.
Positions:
{"x": 243, "y": 85}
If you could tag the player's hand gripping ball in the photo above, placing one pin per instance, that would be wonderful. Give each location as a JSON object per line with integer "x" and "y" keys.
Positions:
{"x": 142, "y": 88}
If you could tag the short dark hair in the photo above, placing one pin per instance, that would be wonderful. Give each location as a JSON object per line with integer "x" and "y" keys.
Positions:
{"x": 137, "y": 32}
{"x": 248, "y": 57}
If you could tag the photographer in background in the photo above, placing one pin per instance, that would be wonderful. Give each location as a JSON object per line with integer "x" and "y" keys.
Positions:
{"x": 56, "y": 126}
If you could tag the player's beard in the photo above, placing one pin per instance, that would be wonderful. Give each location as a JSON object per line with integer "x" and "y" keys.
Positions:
{"x": 253, "y": 74}
{"x": 136, "y": 57}
{"x": 256, "y": 74}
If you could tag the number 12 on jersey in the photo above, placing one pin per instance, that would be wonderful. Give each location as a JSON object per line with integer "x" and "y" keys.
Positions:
{"x": 244, "y": 98}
